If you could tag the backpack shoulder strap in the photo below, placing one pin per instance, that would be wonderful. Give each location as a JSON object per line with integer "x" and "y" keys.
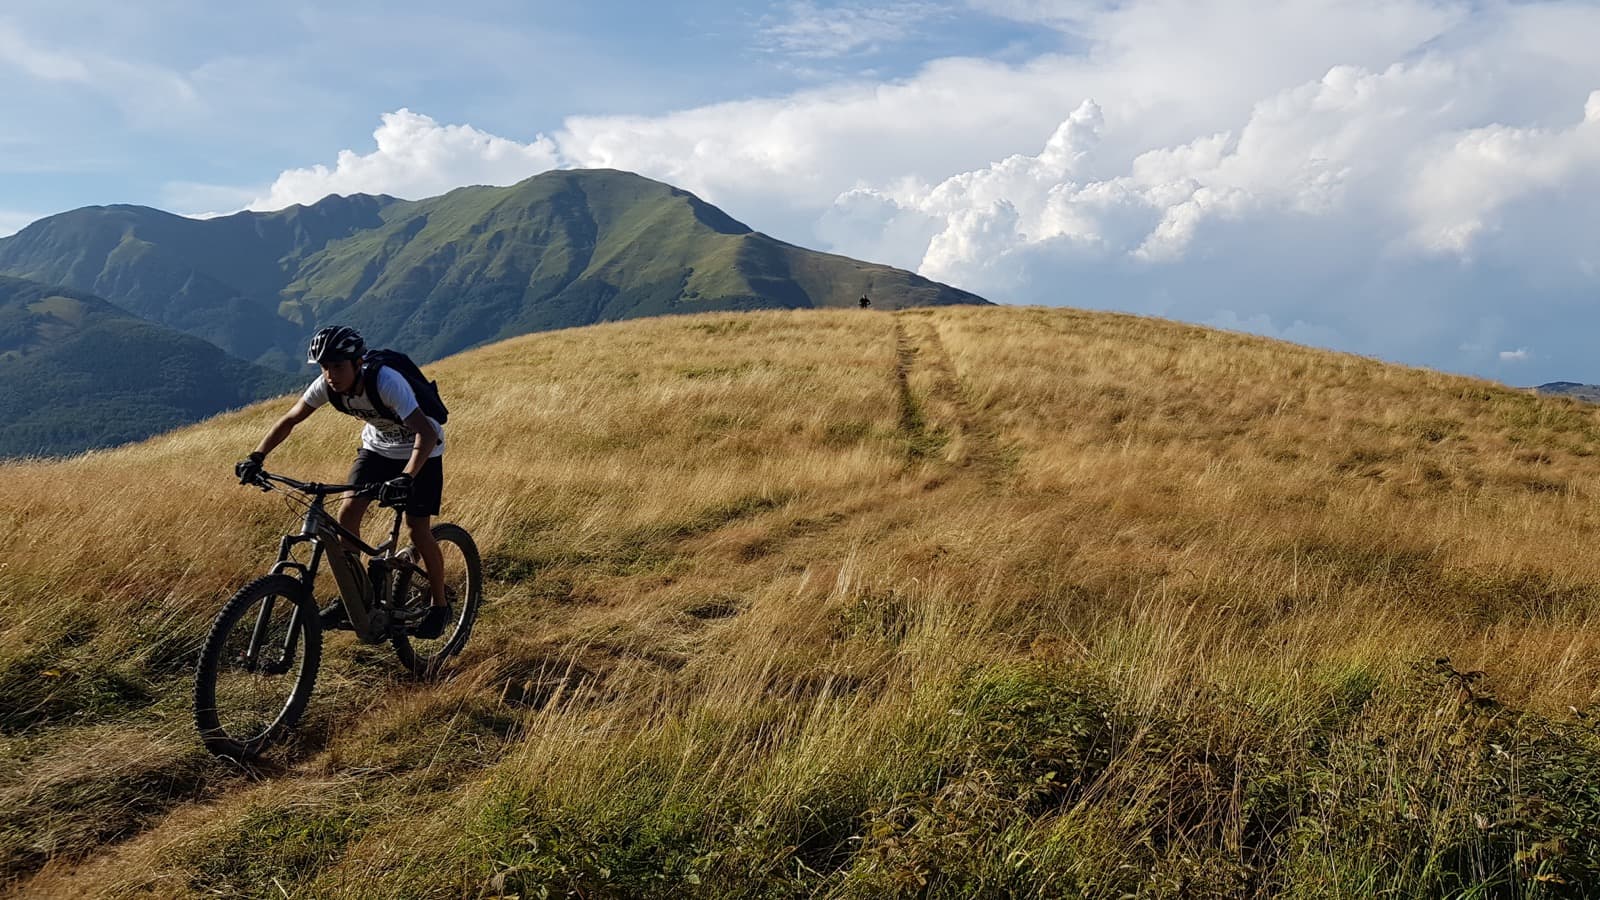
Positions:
{"x": 369, "y": 374}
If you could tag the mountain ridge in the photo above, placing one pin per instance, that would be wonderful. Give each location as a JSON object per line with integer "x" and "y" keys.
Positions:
{"x": 441, "y": 274}
{"x": 1589, "y": 393}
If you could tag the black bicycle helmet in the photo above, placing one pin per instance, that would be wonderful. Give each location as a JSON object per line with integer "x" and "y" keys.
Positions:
{"x": 334, "y": 343}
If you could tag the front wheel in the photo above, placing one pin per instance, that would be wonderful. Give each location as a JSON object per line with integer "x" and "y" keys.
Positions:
{"x": 257, "y": 667}
{"x": 463, "y": 588}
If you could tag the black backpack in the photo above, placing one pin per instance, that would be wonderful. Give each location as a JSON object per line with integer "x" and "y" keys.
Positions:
{"x": 427, "y": 392}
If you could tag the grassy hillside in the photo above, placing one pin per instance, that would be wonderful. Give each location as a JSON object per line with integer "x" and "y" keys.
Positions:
{"x": 77, "y": 373}
{"x": 440, "y": 275}
{"x": 953, "y": 602}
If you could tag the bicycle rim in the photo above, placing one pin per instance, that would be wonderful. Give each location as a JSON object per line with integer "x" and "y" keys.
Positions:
{"x": 462, "y": 587}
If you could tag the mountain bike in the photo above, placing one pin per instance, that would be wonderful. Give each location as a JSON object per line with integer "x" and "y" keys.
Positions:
{"x": 259, "y": 662}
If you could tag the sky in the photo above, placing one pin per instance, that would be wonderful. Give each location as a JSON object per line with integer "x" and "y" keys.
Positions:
{"x": 1416, "y": 180}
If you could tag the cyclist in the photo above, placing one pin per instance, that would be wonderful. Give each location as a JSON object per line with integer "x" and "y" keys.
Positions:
{"x": 401, "y": 447}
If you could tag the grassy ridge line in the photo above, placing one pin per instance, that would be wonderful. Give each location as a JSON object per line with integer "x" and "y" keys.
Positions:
{"x": 1165, "y": 644}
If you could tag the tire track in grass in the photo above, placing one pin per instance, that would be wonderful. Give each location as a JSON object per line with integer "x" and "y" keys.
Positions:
{"x": 981, "y": 452}
{"x": 922, "y": 443}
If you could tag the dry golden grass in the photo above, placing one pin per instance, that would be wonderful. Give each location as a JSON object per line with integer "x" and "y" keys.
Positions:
{"x": 758, "y": 582}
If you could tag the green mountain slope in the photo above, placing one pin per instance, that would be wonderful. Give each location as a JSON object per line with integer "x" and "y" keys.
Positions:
{"x": 437, "y": 276}
{"x": 217, "y": 279}
{"x": 78, "y": 373}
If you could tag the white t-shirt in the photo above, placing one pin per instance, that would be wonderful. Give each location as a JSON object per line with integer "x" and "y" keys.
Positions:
{"x": 382, "y": 436}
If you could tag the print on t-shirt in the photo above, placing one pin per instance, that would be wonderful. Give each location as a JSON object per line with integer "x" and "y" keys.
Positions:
{"x": 383, "y": 436}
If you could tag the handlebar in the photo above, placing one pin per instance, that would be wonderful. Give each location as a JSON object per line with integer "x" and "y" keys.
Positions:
{"x": 314, "y": 488}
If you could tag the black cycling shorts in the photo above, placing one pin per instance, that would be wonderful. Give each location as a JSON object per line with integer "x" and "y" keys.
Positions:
{"x": 426, "y": 488}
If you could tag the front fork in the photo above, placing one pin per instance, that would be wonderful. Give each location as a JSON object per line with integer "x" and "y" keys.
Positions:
{"x": 380, "y": 583}
{"x": 291, "y": 640}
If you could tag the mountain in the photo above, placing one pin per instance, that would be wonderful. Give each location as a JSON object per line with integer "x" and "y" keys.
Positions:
{"x": 1587, "y": 392}
{"x": 437, "y": 276}
{"x": 952, "y": 602}
{"x": 77, "y": 372}
{"x": 217, "y": 279}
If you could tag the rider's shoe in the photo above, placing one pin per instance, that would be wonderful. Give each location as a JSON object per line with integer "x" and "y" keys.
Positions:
{"x": 333, "y": 618}
{"x": 432, "y": 624}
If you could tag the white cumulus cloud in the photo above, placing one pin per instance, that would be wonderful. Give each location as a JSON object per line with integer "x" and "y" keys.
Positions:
{"x": 1415, "y": 179}
{"x": 1458, "y": 191}
{"x": 415, "y": 157}
{"x": 1395, "y": 150}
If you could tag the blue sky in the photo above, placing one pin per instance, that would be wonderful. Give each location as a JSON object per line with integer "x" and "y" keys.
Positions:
{"x": 1413, "y": 179}
{"x": 152, "y": 103}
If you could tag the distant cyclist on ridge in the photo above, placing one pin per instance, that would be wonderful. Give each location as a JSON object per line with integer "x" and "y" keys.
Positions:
{"x": 401, "y": 447}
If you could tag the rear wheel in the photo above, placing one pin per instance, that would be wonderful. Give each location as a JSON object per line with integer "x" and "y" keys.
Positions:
{"x": 257, "y": 667}
{"x": 463, "y": 588}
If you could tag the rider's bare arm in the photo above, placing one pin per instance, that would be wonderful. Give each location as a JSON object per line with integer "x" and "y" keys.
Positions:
{"x": 422, "y": 446}
{"x": 279, "y": 431}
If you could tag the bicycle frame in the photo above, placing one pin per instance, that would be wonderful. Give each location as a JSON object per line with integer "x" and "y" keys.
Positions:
{"x": 360, "y": 596}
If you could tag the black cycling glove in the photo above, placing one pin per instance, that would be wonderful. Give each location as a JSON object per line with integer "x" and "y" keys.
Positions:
{"x": 396, "y": 491}
{"x": 249, "y": 468}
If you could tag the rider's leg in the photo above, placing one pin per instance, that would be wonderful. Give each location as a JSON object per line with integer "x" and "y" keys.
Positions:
{"x": 421, "y": 528}
{"x": 368, "y": 467}
{"x": 351, "y": 515}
